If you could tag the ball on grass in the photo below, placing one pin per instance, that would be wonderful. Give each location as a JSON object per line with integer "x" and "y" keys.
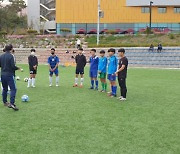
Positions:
{"x": 17, "y": 78}
{"x": 25, "y": 98}
{"x": 26, "y": 79}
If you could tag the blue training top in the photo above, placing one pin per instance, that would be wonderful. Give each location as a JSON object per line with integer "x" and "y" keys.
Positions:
{"x": 112, "y": 65}
{"x": 94, "y": 61}
{"x": 53, "y": 61}
{"x": 102, "y": 64}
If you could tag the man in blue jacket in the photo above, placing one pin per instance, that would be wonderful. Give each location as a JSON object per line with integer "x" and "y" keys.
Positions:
{"x": 8, "y": 68}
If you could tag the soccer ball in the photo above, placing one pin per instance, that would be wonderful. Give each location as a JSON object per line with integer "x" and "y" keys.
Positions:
{"x": 17, "y": 78}
{"x": 26, "y": 79}
{"x": 25, "y": 98}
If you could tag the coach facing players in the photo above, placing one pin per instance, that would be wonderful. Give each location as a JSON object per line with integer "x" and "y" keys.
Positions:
{"x": 8, "y": 68}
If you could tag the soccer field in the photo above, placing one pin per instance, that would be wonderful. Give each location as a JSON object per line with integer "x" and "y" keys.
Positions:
{"x": 67, "y": 120}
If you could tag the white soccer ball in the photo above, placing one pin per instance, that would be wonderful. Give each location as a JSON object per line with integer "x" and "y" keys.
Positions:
{"x": 17, "y": 78}
{"x": 26, "y": 79}
{"x": 25, "y": 98}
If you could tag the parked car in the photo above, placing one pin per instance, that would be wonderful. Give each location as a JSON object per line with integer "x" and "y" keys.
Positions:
{"x": 92, "y": 31}
{"x": 130, "y": 31}
{"x": 104, "y": 31}
{"x": 81, "y": 31}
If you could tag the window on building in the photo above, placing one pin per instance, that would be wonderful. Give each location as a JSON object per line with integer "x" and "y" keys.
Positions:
{"x": 162, "y": 9}
{"x": 145, "y": 10}
{"x": 177, "y": 10}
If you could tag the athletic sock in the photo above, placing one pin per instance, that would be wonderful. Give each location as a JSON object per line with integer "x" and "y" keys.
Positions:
{"x": 76, "y": 81}
{"x": 50, "y": 80}
{"x": 29, "y": 82}
{"x": 57, "y": 80}
{"x": 114, "y": 90}
{"x": 82, "y": 80}
{"x": 92, "y": 83}
{"x": 33, "y": 81}
{"x": 105, "y": 86}
{"x": 97, "y": 83}
{"x": 102, "y": 83}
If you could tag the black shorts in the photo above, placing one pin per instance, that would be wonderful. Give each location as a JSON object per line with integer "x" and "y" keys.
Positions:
{"x": 33, "y": 71}
{"x": 79, "y": 71}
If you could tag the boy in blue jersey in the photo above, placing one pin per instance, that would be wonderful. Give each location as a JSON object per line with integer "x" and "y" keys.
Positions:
{"x": 94, "y": 61}
{"x": 53, "y": 62}
{"x": 102, "y": 69}
{"x": 112, "y": 68}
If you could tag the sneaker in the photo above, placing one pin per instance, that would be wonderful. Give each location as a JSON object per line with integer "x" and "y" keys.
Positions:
{"x": 96, "y": 88}
{"x": 50, "y": 85}
{"x": 57, "y": 85}
{"x": 109, "y": 92}
{"x": 113, "y": 96}
{"x": 123, "y": 99}
{"x": 91, "y": 88}
{"x": 75, "y": 85}
{"x": 28, "y": 86}
{"x": 34, "y": 86}
{"x": 120, "y": 97}
{"x": 6, "y": 104}
{"x": 13, "y": 106}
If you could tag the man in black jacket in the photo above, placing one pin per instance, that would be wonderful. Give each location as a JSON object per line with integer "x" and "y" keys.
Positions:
{"x": 33, "y": 64}
{"x": 80, "y": 64}
{"x": 8, "y": 68}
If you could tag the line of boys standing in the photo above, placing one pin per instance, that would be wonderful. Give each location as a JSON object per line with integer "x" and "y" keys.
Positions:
{"x": 103, "y": 67}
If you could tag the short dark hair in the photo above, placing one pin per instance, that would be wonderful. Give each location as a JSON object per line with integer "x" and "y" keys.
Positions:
{"x": 81, "y": 49}
{"x": 121, "y": 50}
{"x": 93, "y": 50}
{"x": 53, "y": 49}
{"x": 8, "y": 47}
{"x": 102, "y": 51}
{"x": 4, "y": 50}
{"x": 112, "y": 50}
{"x": 33, "y": 50}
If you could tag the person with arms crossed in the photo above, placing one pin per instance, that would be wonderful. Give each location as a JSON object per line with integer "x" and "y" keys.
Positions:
{"x": 102, "y": 69}
{"x": 122, "y": 74}
{"x": 8, "y": 68}
{"x": 53, "y": 62}
{"x": 94, "y": 61}
{"x": 80, "y": 64}
{"x": 33, "y": 64}
{"x": 112, "y": 68}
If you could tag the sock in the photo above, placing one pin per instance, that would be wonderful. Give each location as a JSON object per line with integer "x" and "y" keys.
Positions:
{"x": 57, "y": 80}
{"x": 76, "y": 81}
{"x": 114, "y": 90}
{"x": 102, "y": 85}
{"x": 82, "y": 80}
{"x": 29, "y": 82}
{"x": 105, "y": 86}
{"x": 33, "y": 81}
{"x": 97, "y": 83}
{"x": 50, "y": 80}
{"x": 92, "y": 83}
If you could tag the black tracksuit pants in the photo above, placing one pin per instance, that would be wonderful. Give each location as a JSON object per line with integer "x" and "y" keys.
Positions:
{"x": 123, "y": 88}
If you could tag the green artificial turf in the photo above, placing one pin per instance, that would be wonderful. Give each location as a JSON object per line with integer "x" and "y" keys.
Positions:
{"x": 67, "y": 120}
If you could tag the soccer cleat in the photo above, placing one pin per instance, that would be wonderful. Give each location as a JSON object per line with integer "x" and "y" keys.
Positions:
{"x": 91, "y": 88}
{"x": 6, "y": 104}
{"x": 109, "y": 92}
{"x": 50, "y": 85}
{"x": 13, "y": 106}
{"x": 123, "y": 99}
{"x": 120, "y": 97}
{"x": 34, "y": 86}
{"x": 57, "y": 85}
{"x": 96, "y": 88}
{"x": 75, "y": 85}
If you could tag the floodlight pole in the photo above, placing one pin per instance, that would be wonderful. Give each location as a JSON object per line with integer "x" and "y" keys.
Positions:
{"x": 98, "y": 21}
{"x": 150, "y": 11}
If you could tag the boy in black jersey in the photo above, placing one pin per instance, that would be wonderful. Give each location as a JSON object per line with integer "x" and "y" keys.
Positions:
{"x": 80, "y": 64}
{"x": 122, "y": 74}
{"x": 33, "y": 64}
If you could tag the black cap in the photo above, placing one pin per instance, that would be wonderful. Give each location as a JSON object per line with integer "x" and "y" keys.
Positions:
{"x": 102, "y": 51}
{"x": 121, "y": 50}
{"x": 112, "y": 50}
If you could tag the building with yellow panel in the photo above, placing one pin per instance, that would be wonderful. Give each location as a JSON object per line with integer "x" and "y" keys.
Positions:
{"x": 118, "y": 14}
